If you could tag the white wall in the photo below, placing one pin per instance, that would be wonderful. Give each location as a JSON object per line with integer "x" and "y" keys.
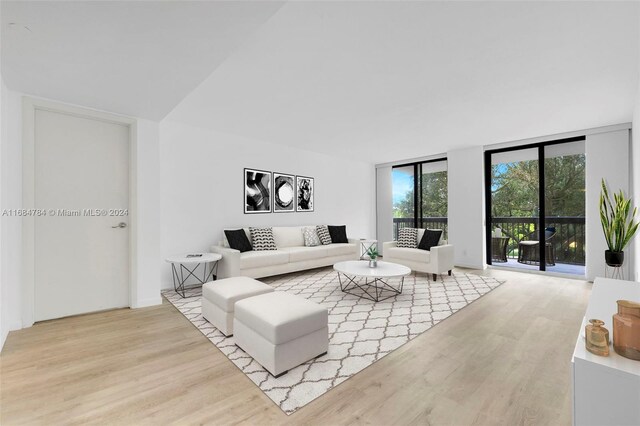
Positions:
{"x": 384, "y": 206}
{"x": 146, "y": 241}
{"x": 202, "y": 188}
{"x": 607, "y": 157}
{"x": 11, "y": 193}
{"x": 635, "y": 171}
{"x": 466, "y": 206}
{"x": 3, "y": 333}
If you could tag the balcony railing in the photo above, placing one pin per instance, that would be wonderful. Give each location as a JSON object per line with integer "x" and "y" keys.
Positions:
{"x": 569, "y": 240}
{"x": 427, "y": 222}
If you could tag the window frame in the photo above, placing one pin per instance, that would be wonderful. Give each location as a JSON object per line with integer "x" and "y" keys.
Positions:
{"x": 417, "y": 186}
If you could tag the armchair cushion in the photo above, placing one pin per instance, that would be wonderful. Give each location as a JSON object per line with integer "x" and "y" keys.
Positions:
{"x": 238, "y": 240}
{"x": 430, "y": 239}
{"x": 411, "y": 254}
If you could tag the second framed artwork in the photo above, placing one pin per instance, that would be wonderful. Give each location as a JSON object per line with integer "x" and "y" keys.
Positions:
{"x": 284, "y": 193}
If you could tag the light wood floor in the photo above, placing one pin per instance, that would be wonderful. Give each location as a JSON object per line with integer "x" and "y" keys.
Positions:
{"x": 504, "y": 359}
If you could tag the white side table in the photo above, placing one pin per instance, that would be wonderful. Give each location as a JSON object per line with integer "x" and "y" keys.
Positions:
{"x": 185, "y": 266}
{"x": 365, "y": 245}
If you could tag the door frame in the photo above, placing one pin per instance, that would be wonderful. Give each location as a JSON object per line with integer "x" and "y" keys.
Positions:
{"x": 542, "y": 216}
{"x": 29, "y": 107}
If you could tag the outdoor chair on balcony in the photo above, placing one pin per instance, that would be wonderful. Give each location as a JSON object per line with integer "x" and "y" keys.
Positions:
{"x": 499, "y": 247}
{"x": 529, "y": 249}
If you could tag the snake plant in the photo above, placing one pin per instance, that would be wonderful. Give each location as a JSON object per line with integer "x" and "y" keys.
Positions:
{"x": 618, "y": 227}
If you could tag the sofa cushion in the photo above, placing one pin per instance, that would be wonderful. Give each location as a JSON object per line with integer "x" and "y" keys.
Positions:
{"x": 288, "y": 236}
{"x": 323, "y": 234}
{"x": 338, "y": 234}
{"x": 430, "y": 239}
{"x": 341, "y": 249}
{"x": 262, "y": 239}
{"x": 408, "y": 238}
{"x": 258, "y": 259}
{"x": 226, "y": 292}
{"x": 237, "y": 239}
{"x": 225, "y": 242}
{"x": 310, "y": 235}
{"x": 412, "y": 254}
{"x": 299, "y": 254}
{"x": 281, "y": 317}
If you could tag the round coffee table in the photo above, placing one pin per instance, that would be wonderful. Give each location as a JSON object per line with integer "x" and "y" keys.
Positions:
{"x": 352, "y": 272}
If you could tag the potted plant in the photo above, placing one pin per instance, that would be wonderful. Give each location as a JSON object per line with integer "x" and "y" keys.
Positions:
{"x": 619, "y": 227}
{"x": 373, "y": 256}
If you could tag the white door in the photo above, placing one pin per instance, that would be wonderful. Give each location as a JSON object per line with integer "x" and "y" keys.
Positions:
{"x": 82, "y": 183}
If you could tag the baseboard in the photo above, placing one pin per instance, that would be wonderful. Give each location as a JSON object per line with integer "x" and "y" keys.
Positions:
{"x": 16, "y": 325}
{"x": 3, "y": 338}
{"x": 469, "y": 266}
{"x": 153, "y": 301}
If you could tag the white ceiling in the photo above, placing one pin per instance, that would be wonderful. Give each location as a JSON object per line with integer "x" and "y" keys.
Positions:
{"x": 133, "y": 58}
{"x": 378, "y": 81}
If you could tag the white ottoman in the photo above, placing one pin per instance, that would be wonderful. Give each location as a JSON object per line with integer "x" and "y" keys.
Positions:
{"x": 219, "y": 298}
{"x": 281, "y": 331}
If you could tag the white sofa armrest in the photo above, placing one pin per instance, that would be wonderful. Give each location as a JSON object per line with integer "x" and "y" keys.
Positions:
{"x": 229, "y": 265}
{"x": 388, "y": 245}
{"x": 442, "y": 258}
{"x": 356, "y": 247}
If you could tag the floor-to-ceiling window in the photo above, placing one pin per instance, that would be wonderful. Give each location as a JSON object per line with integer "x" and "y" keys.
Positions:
{"x": 420, "y": 195}
{"x": 536, "y": 206}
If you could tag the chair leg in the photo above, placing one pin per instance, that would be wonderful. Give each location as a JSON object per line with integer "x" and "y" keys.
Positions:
{"x": 435, "y": 277}
{"x": 449, "y": 272}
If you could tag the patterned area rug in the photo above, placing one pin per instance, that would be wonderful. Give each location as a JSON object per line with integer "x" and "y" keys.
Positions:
{"x": 360, "y": 331}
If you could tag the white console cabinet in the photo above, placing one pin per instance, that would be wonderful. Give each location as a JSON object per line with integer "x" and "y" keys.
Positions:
{"x": 606, "y": 390}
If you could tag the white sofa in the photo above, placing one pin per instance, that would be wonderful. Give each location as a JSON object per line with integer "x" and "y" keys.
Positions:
{"x": 291, "y": 255}
{"x": 436, "y": 261}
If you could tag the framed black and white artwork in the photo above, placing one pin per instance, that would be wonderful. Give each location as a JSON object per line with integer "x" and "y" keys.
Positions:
{"x": 305, "y": 192}
{"x": 284, "y": 193}
{"x": 257, "y": 191}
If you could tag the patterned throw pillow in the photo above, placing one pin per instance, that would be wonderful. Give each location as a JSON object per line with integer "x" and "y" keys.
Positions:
{"x": 323, "y": 234}
{"x": 407, "y": 238}
{"x": 310, "y": 235}
{"x": 262, "y": 239}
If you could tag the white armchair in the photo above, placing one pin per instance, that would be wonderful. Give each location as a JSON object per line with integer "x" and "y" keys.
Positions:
{"x": 436, "y": 261}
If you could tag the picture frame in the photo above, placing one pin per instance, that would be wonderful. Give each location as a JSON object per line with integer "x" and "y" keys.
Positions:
{"x": 257, "y": 191}
{"x": 305, "y": 194}
{"x": 284, "y": 193}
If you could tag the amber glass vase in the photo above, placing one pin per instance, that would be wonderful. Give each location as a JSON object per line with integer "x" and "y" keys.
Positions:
{"x": 626, "y": 329}
{"x": 597, "y": 337}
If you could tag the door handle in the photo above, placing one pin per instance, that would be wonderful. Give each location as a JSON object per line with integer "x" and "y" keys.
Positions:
{"x": 120, "y": 225}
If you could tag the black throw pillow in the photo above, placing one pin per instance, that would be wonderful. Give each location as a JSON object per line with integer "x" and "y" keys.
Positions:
{"x": 338, "y": 234}
{"x": 238, "y": 240}
{"x": 430, "y": 239}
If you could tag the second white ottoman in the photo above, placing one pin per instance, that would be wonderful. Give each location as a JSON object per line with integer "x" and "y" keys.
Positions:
{"x": 280, "y": 330}
{"x": 219, "y": 299}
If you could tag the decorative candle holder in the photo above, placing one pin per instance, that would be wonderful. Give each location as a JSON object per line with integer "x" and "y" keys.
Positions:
{"x": 597, "y": 338}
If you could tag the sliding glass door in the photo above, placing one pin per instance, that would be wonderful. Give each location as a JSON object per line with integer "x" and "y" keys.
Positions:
{"x": 535, "y": 206}
{"x": 420, "y": 195}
